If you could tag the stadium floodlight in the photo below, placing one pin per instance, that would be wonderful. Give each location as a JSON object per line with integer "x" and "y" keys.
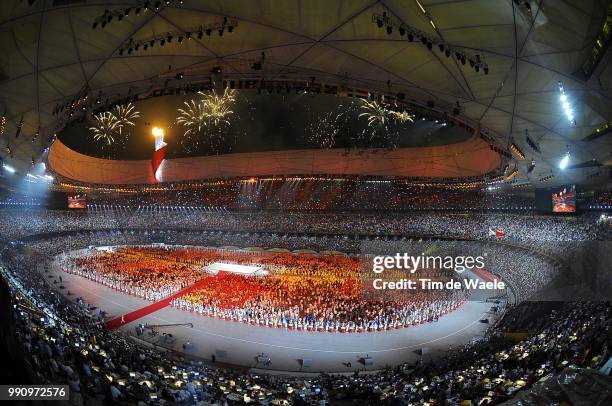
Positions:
{"x": 564, "y": 161}
{"x": 567, "y": 109}
{"x": 517, "y": 151}
{"x": 8, "y": 168}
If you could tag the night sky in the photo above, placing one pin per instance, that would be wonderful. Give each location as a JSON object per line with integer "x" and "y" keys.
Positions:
{"x": 261, "y": 122}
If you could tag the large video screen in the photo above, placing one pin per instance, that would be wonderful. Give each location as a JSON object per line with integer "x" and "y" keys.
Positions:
{"x": 564, "y": 199}
{"x": 77, "y": 202}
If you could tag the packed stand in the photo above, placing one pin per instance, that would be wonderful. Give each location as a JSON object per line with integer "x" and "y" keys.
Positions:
{"x": 322, "y": 194}
{"x": 68, "y": 344}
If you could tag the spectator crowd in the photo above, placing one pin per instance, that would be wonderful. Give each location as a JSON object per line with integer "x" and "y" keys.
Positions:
{"x": 64, "y": 342}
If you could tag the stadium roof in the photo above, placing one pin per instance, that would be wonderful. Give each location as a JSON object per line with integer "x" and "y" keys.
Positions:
{"x": 52, "y": 56}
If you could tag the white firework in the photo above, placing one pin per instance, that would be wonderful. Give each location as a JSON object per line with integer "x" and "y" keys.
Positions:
{"x": 375, "y": 113}
{"x": 126, "y": 114}
{"x": 106, "y": 127}
{"x": 323, "y": 132}
{"x": 218, "y": 107}
{"x": 192, "y": 117}
{"x": 402, "y": 116}
{"x": 204, "y": 119}
{"x": 379, "y": 115}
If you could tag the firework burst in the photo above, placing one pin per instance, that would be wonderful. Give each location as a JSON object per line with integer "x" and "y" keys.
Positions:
{"x": 192, "y": 117}
{"x": 341, "y": 126}
{"x": 384, "y": 123}
{"x": 402, "y": 116}
{"x": 323, "y": 132}
{"x": 217, "y": 108}
{"x": 126, "y": 114}
{"x": 106, "y": 127}
{"x": 375, "y": 114}
{"x": 206, "y": 118}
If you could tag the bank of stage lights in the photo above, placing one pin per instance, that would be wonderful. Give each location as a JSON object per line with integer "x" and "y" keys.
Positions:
{"x": 567, "y": 108}
{"x": 532, "y": 144}
{"x": 19, "y": 127}
{"x": 120, "y": 13}
{"x": 512, "y": 174}
{"x": 520, "y": 185}
{"x": 517, "y": 151}
{"x": 181, "y": 36}
{"x": 499, "y": 150}
{"x": 80, "y": 101}
{"x": 3, "y": 123}
{"x": 547, "y": 178}
{"x": 531, "y": 167}
{"x": 390, "y": 24}
{"x": 8, "y": 149}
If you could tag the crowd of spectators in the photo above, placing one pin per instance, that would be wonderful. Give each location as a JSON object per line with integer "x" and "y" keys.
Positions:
{"x": 323, "y": 194}
{"x": 527, "y": 229}
{"x": 599, "y": 199}
{"x": 64, "y": 341}
{"x": 559, "y": 238}
{"x": 341, "y": 194}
